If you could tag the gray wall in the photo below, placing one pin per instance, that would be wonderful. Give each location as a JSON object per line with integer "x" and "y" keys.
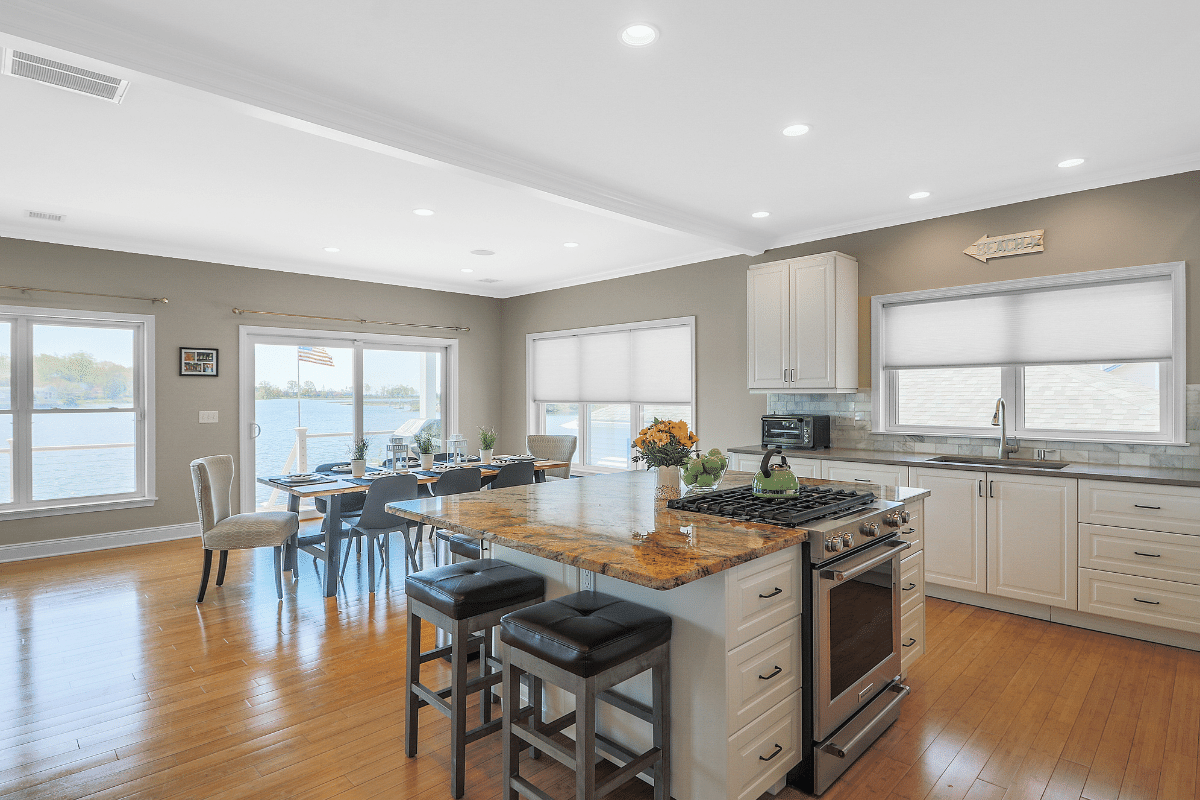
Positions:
{"x": 199, "y": 315}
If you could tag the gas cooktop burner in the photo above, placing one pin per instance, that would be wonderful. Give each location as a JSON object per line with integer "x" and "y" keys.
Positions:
{"x": 812, "y": 502}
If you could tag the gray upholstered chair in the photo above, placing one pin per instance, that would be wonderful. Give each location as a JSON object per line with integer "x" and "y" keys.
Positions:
{"x": 553, "y": 448}
{"x": 212, "y": 478}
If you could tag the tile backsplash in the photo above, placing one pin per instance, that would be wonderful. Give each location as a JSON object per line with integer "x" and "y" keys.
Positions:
{"x": 850, "y": 428}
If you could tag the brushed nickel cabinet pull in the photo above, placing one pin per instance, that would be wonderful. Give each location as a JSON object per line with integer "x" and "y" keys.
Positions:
{"x": 1147, "y": 555}
{"x": 1147, "y": 602}
{"x": 772, "y": 594}
{"x": 778, "y": 669}
{"x": 778, "y": 750}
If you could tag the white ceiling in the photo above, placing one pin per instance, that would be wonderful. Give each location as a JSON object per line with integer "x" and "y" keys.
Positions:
{"x": 259, "y": 133}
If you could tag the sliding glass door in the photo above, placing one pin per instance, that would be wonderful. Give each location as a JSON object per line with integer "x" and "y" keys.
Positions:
{"x": 306, "y": 395}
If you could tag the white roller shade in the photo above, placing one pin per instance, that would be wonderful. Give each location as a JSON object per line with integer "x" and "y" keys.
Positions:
{"x": 632, "y": 365}
{"x": 1128, "y": 320}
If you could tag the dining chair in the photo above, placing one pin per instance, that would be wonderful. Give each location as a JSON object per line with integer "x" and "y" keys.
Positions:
{"x": 377, "y": 525}
{"x": 518, "y": 473}
{"x": 212, "y": 479}
{"x": 352, "y": 504}
{"x": 553, "y": 448}
{"x": 455, "y": 481}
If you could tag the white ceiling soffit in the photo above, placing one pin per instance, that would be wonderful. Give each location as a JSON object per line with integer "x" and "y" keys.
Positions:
{"x": 294, "y": 106}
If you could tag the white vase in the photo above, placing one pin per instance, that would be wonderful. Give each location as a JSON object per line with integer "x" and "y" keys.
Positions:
{"x": 486, "y": 456}
{"x": 358, "y": 467}
{"x": 669, "y": 480}
{"x": 426, "y": 460}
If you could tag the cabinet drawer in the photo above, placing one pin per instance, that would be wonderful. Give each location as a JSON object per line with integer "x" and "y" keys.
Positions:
{"x": 1139, "y": 505}
{"x": 1150, "y": 554}
{"x": 764, "y": 594}
{"x": 912, "y": 582}
{"x": 912, "y": 636}
{"x": 1148, "y": 600}
{"x": 857, "y": 472}
{"x": 911, "y": 532}
{"x": 761, "y": 673}
{"x": 763, "y": 752}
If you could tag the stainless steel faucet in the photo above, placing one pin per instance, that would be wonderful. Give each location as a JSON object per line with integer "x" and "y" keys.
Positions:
{"x": 1001, "y": 418}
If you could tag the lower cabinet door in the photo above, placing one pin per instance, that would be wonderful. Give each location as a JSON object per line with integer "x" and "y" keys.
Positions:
{"x": 763, "y": 752}
{"x": 912, "y": 637}
{"x": 1147, "y": 600}
{"x": 1032, "y": 538}
{"x": 954, "y": 529}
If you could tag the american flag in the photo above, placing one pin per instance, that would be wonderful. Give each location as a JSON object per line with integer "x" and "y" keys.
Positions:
{"x": 315, "y": 355}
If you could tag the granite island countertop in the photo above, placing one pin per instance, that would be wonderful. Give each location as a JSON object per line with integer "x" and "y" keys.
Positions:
{"x": 1167, "y": 476}
{"x": 612, "y": 525}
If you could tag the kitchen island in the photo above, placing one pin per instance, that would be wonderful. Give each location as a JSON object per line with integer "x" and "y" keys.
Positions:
{"x": 733, "y": 589}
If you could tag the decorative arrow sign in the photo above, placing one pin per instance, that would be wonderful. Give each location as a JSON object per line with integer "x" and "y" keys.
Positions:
{"x": 1011, "y": 244}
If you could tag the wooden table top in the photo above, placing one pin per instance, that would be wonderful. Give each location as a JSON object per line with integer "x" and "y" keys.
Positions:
{"x": 339, "y": 486}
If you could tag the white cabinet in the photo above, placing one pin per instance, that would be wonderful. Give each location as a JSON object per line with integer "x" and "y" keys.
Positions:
{"x": 912, "y": 588}
{"x": 802, "y": 467}
{"x": 802, "y": 324}
{"x": 858, "y": 472}
{"x": 1002, "y": 534}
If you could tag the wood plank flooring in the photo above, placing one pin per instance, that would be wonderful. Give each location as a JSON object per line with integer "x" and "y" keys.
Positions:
{"x": 115, "y": 684}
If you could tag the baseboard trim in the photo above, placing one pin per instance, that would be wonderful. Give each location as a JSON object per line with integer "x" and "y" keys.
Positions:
{"x": 1064, "y": 616}
{"x": 24, "y": 551}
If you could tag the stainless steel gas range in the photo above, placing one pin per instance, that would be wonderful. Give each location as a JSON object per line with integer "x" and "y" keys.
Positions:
{"x": 851, "y": 621}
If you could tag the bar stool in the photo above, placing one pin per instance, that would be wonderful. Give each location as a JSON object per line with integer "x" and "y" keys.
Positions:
{"x": 586, "y": 643}
{"x": 467, "y": 600}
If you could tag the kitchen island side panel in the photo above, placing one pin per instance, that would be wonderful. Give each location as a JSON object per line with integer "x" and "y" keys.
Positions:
{"x": 699, "y": 738}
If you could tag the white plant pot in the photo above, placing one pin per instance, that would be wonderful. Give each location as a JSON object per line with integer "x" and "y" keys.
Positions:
{"x": 426, "y": 460}
{"x": 358, "y": 467}
{"x": 486, "y": 456}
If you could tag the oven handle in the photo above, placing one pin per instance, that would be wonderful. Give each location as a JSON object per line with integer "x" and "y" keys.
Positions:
{"x": 840, "y": 750}
{"x": 838, "y": 576}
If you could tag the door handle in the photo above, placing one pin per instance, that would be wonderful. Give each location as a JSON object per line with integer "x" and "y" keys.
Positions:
{"x": 1147, "y": 555}
{"x": 981, "y": 488}
{"x": 911, "y": 641}
{"x": 1147, "y": 602}
{"x": 1155, "y": 508}
{"x": 908, "y": 588}
{"x": 839, "y": 576}
{"x": 257, "y": 430}
{"x": 778, "y": 750}
{"x": 778, "y": 669}
{"x": 991, "y": 488}
{"x": 772, "y": 594}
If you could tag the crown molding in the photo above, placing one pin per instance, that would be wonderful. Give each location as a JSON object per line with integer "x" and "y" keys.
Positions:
{"x": 624, "y": 272}
{"x": 298, "y": 108}
{"x": 1157, "y": 169}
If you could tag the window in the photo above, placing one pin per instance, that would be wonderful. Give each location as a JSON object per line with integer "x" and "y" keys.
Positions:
{"x": 76, "y": 411}
{"x": 605, "y": 384}
{"x": 1090, "y": 356}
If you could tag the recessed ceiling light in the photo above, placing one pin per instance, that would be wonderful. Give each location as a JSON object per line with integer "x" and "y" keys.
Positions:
{"x": 639, "y": 35}
{"x": 761, "y": 214}
{"x": 570, "y": 244}
{"x": 1070, "y": 162}
{"x": 466, "y": 270}
{"x": 483, "y": 252}
{"x": 422, "y": 212}
{"x": 918, "y": 195}
{"x": 332, "y": 250}
{"x": 795, "y": 130}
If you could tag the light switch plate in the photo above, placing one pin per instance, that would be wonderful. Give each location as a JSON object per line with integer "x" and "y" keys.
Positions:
{"x": 208, "y": 416}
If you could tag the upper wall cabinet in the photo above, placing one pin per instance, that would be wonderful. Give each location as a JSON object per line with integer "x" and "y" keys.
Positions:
{"x": 802, "y": 324}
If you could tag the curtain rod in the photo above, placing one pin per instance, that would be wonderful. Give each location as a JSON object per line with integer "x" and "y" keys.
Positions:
{"x": 360, "y": 321}
{"x": 89, "y": 294}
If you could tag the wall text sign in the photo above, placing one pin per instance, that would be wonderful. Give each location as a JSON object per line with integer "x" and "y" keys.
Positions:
{"x": 1011, "y": 244}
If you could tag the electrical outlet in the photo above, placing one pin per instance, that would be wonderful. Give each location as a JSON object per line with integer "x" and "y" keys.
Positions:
{"x": 208, "y": 416}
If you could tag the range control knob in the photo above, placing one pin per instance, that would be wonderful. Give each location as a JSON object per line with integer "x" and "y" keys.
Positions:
{"x": 833, "y": 545}
{"x": 869, "y": 529}
{"x": 896, "y": 518}
{"x": 848, "y": 539}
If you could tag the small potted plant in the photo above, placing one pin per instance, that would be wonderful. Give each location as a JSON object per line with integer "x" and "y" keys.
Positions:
{"x": 358, "y": 457}
{"x": 424, "y": 443}
{"x": 487, "y": 444}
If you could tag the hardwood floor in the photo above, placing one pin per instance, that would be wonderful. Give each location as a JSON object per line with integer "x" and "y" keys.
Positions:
{"x": 115, "y": 684}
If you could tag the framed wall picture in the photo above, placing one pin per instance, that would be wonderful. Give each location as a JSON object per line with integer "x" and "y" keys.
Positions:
{"x": 198, "y": 362}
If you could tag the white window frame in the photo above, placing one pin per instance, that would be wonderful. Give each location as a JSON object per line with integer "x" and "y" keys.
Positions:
{"x": 250, "y": 335}
{"x": 22, "y": 411}
{"x": 1172, "y": 372}
{"x": 536, "y": 420}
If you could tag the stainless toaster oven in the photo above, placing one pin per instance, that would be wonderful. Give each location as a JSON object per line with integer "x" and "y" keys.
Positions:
{"x": 799, "y": 431}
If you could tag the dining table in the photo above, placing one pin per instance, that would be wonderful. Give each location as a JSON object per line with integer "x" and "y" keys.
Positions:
{"x": 334, "y": 485}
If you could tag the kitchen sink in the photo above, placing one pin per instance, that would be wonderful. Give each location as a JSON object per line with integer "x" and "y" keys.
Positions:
{"x": 987, "y": 461}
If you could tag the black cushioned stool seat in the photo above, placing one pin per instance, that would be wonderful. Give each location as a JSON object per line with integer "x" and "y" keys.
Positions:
{"x": 587, "y": 643}
{"x": 461, "y": 544}
{"x": 467, "y": 600}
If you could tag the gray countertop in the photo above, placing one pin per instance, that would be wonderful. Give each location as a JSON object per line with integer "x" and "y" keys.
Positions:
{"x": 1100, "y": 472}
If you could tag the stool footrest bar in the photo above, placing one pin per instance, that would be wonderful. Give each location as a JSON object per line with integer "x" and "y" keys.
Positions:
{"x": 528, "y": 789}
{"x": 627, "y": 704}
{"x": 628, "y": 772}
{"x": 541, "y": 742}
{"x": 618, "y": 751}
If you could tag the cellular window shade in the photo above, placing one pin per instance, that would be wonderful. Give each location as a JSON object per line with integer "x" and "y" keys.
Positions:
{"x": 636, "y": 365}
{"x": 1094, "y": 322}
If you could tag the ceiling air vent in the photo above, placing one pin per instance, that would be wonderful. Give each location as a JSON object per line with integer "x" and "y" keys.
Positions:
{"x": 64, "y": 76}
{"x": 45, "y": 215}
{"x": 489, "y": 280}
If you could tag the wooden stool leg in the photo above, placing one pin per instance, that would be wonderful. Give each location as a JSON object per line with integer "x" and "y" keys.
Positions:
{"x": 662, "y": 726}
{"x": 535, "y": 719}
{"x": 512, "y": 746}
{"x": 458, "y": 709}
{"x": 585, "y": 740}
{"x": 485, "y": 697}
{"x": 412, "y": 677}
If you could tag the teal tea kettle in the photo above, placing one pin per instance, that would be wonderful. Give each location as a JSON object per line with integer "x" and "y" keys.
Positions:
{"x": 775, "y": 480}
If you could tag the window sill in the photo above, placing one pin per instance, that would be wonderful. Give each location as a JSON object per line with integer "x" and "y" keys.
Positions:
{"x": 77, "y": 508}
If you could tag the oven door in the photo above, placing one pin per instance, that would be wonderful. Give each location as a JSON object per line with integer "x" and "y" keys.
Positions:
{"x": 856, "y": 632}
